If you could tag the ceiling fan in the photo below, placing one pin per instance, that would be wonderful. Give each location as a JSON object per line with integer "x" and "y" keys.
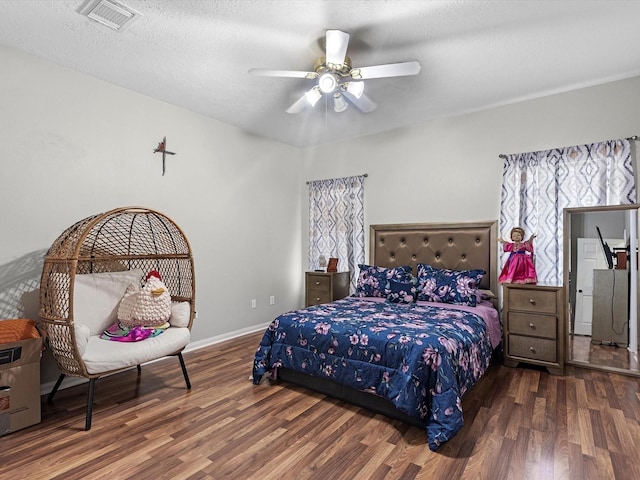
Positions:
{"x": 336, "y": 78}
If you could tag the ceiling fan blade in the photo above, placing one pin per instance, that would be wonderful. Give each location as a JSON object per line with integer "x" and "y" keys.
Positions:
{"x": 282, "y": 73}
{"x": 364, "y": 103}
{"x": 337, "y": 43}
{"x": 388, "y": 70}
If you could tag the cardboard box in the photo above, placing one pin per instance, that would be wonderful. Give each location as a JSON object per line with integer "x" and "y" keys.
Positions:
{"x": 19, "y": 384}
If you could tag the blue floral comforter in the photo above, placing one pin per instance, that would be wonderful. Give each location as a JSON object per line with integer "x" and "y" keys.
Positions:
{"x": 422, "y": 358}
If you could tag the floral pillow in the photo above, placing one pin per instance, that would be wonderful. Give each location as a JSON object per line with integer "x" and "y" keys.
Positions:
{"x": 372, "y": 281}
{"x": 458, "y": 287}
{"x": 402, "y": 292}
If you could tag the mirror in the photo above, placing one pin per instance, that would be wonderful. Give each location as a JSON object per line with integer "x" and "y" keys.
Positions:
{"x": 602, "y": 294}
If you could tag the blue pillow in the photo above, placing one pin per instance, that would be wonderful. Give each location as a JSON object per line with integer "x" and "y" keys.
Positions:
{"x": 373, "y": 281}
{"x": 402, "y": 292}
{"x": 458, "y": 287}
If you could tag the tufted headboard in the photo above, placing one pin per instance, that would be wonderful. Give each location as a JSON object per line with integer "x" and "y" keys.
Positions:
{"x": 456, "y": 246}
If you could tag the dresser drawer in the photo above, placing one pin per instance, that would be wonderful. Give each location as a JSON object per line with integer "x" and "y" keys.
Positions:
{"x": 319, "y": 283}
{"x": 537, "y": 301}
{"x": 532, "y": 347}
{"x": 533, "y": 325}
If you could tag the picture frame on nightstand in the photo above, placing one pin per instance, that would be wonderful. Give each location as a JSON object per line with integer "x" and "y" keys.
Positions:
{"x": 332, "y": 266}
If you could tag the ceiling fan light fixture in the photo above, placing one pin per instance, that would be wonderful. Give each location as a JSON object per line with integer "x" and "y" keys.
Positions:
{"x": 339, "y": 103}
{"x": 313, "y": 96}
{"x": 355, "y": 88}
{"x": 328, "y": 83}
{"x": 333, "y": 75}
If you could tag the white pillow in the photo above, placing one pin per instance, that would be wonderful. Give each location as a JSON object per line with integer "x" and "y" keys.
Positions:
{"x": 180, "y": 314}
{"x": 96, "y": 297}
{"x": 82, "y": 337}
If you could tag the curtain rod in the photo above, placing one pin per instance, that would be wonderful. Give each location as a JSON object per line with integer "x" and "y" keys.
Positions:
{"x": 364, "y": 175}
{"x": 632, "y": 138}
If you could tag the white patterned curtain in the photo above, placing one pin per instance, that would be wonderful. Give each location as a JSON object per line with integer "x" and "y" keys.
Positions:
{"x": 538, "y": 186}
{"x": 336, "y": 223}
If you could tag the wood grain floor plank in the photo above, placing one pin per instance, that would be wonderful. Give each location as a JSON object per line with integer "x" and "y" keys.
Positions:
{"x": 371, "y": 461}
{"x": 540, "y": 455}
{"x": 515, "y": 422}
{"x": 561, "y": 464}
{"x": 502, "y": 459}
{"x": 573, "y": 424}
{"x": 248, "y": 459}
{"x": 576, "y": 462}
{"x": 539, "y": 415}
{"x": 280, "y": 464}
{"x": 624, "y": 432}
{"x": 612, "y": 439}
{"x": 586, "y": 433}
{"x": 517, "y": 467}
{"x": 597, "y": 429}
{"x": 482, "y": 460}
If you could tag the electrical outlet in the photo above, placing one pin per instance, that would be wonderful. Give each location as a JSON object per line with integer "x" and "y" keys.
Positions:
{"x": 253, "y": 303}
{"x": 272, "y": 300}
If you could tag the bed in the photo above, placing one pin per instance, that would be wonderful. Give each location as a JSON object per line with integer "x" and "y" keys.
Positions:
{"x": 404, "y": 345}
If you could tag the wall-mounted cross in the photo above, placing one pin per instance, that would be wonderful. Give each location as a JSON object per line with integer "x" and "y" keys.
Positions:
{"x": 162, "y": 147}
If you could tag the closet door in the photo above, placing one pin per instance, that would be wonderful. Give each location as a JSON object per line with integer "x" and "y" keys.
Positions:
{"x": 589, "y": 259}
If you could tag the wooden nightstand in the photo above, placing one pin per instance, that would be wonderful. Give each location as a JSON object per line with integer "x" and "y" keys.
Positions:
{"x": 533, "y": 324}
{"x": 323, "y": 287}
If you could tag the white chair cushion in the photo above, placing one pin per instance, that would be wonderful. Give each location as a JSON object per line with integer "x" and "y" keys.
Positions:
{"x": 106, "y": 355}
{"x": 96, "y": 297}
{"x": 82, "y": 337}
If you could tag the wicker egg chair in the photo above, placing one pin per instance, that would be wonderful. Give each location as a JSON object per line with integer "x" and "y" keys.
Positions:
{"x": 130, "y": 238}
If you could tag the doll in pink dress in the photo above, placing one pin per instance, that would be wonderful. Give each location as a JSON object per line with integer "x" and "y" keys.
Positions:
{"x": 519, "y": 266}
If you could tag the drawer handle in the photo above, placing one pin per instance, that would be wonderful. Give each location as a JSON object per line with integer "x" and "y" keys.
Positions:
{"x": 533, "y": 350}
{"x": 532, "y": 326}
{"x": 318, "y": 299}
{"x": 317, "y": 283}
{"x": 532, "y": 301}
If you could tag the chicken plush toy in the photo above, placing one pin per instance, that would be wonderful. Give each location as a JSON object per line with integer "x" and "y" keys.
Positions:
{"x": 149, "y": 306}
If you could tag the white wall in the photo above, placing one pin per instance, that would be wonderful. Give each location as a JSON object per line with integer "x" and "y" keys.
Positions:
{"x": 72, "y": 146}
{"x": 448, "y": 170}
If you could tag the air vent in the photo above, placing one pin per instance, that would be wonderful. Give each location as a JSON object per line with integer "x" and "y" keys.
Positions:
{"x": 111, "y": 14}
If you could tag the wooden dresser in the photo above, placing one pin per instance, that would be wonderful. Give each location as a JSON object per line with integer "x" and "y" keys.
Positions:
{"x": 323, "y": 287}
{"x": 533, "y": 324}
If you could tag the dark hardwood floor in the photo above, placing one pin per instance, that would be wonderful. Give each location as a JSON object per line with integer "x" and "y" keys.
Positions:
{"x": 520, "y": 423}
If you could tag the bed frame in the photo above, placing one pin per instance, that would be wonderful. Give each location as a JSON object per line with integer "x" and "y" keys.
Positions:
{"x": 459, "y": 246}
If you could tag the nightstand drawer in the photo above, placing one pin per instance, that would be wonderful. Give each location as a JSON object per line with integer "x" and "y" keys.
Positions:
{"x": 533, "y": 325}
{"x": 316, "y": 297}
{"x": 531, "y": 347}
{"x": 319, "y": 283}
{"x": 537, "y": 301}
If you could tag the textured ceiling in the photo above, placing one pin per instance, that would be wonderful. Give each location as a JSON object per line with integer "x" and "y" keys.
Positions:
{"x": 475, "y": 54}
